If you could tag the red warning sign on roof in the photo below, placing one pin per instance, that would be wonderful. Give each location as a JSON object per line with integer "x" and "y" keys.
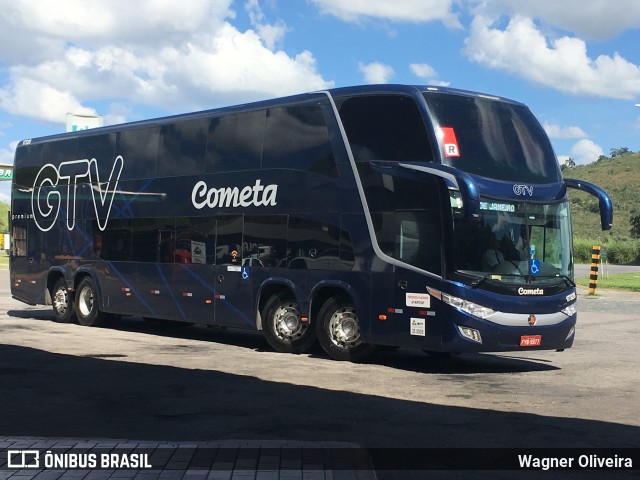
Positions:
{"x": 450, "y": 142}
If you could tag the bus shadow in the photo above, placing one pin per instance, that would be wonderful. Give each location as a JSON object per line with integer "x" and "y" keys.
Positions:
{"x": 471, "y": 363}
{"x": 402, "y": 359}
{"x": 49, "y": 394}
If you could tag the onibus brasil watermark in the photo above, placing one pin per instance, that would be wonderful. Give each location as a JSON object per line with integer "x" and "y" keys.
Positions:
{"x": 20, "y": 459}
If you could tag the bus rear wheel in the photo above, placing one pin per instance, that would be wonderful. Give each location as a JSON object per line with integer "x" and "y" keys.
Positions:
{"x": 87, "y": 309}
{"x": 62, "y": 302}
{"x": 338, "y": 330}
{"x": 283, "y": 327}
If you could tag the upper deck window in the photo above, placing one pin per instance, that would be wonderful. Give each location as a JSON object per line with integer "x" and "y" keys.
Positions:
{"x": 493, "y": 138}
{"x": 385, "y": 127}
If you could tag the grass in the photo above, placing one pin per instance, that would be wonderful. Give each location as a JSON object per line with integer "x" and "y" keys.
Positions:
{"x": 623, "y": 281}
{"x": 4, "y": 260}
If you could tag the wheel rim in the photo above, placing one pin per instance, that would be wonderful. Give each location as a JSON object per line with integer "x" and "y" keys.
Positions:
{"x": 344, "y": 328}
{"x": 85, "y": 301}
{"x": 286, "y": 322}
{"x": 61, "y": 301}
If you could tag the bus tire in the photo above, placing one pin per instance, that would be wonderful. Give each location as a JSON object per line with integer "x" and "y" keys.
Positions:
{"x": 338, "y": 330}
{"x": 62, "y": 302}
{"x": 87, "y": 310}
{"x": 282, "y": 327}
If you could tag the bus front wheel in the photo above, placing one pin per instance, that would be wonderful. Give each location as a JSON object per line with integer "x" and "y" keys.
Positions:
{"x": 87, "y": 309}
{"x": 338, "y": 330}
{"x": 62, "y": 302}
{"x": 283, "y": 327}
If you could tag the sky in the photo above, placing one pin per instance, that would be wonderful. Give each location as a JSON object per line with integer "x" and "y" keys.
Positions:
{"x": 575, "y": 63}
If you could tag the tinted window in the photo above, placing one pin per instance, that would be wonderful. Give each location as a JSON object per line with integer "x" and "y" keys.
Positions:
{"x": 195, "y": 240}
{"x": 235, "y": 142}
{"x": 182, "y": 148}
{"x": 146, "y": 234}
{"x": 59, "y": 151}
{"x": 493, "y": 138}
{"x": 412, "y": 237}
{"x": 229, "y": 242}
{"x": 385, "y": 127}
{"x": 314, "y": 243}
{"x": 406, "y": 217}
{"x": 298, "y": 138}
{"x": 265, "y": 240}
{"x": 391, "y": 193}
{"x": 18, "y": 241}
{"x": 113, "y": 244}
{"x": 139, "y": 149}
{"x": 28, "y": 162}
{"x": 100, "y": 147}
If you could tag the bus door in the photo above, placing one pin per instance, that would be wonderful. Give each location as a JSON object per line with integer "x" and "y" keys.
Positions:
{"x": 417, "y": 243}
{"x": 193, "y": 250}
{"x": 26, "y": 283}
{"x": 232, "y": 282}
{"x": 193, "y": 292}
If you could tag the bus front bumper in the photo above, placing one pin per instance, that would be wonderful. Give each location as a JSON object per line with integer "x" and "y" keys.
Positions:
{"x": 471, "y": 334}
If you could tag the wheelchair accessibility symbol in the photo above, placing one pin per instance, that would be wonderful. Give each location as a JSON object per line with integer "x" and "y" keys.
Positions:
{"x": 535, "y": 267}
{"x": 245, "y": 273}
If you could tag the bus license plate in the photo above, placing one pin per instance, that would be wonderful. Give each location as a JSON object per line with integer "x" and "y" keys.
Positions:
{"x": 530, "y": 340}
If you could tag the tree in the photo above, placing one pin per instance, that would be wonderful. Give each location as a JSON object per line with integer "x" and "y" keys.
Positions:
{"x": 568, "y": 163}
{"x": 634, "y": 221}
{"x": 4, "y": 217}
{"x": 619, "y": 152}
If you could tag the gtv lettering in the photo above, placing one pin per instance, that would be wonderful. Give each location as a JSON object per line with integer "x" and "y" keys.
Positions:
{"x": 46, "y": 198}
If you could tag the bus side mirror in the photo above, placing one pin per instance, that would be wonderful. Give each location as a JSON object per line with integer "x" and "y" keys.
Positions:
{"x": 604, "y": 200}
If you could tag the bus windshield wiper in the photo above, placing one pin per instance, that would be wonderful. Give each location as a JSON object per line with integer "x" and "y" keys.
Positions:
{"x": 480, "y": 280}
{"x": 566, "y": 278}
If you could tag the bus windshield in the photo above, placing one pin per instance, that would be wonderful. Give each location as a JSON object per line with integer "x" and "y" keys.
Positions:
{"x": 492, "y": 138}
{"x": 515, "y": 243}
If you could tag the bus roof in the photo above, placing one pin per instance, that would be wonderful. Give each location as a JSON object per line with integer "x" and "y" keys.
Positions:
{"x": 375, "y": 89}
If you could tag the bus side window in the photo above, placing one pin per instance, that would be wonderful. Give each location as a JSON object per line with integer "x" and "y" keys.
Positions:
{"x": 195, "y": 240}
{"x": 139, "y": 149}
{"x": 115, "y": 242}
{"x": 385, "y": 127}
{"x": 229, "y": 240}
{"x": 314, "y": 243}
{"x": 265, "y": 240}
{"x": 234, "y": 142}
{"x": 102, "y": 148}
{"x": 18, "y": 241}
{"x": 182, "y": 148}
{"x": 297, "y": 138}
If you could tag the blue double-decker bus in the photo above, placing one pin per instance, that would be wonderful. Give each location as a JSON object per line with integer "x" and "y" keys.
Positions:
{"x": 392, "y": 215}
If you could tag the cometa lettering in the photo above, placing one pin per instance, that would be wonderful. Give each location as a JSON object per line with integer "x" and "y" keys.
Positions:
{"x": 257, "y": 195}
{"x": 530, "y": 291}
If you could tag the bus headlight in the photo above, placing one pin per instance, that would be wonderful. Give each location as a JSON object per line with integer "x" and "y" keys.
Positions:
{"x": 569, "y": 310}
{"x": 470, "y": 333}
{"x": 467, "y": 306}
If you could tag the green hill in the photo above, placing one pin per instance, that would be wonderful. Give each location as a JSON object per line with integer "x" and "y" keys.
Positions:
{"x": 620, "y": 178}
